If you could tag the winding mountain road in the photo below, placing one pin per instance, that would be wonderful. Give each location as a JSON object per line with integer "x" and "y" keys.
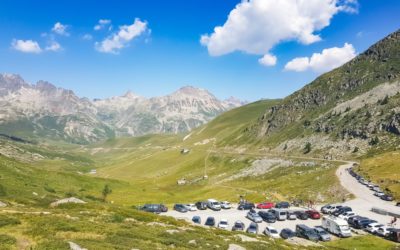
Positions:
{"x": 364, "y": 199}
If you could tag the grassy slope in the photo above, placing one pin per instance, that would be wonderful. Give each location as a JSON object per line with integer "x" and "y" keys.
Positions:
{"x": 383, "y": 169}
{"x": 95, "y": 225}
{"x": 153, "y": 164}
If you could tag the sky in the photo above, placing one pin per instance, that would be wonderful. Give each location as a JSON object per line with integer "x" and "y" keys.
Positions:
{"x": 250, "y": 49}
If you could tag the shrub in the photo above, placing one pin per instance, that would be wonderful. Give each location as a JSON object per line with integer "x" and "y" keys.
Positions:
{"x": 7, "y": 240}
{"x": 6, "y": 221}
{"x": 307, "y": 148}
{"x": 2, "y": 190}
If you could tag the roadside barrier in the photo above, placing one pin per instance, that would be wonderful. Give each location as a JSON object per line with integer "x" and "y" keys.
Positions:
{"x": 385, "y": 212}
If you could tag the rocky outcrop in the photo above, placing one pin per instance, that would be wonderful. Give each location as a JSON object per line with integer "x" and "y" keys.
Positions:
{"x": 67, "y": 200}
{"x": 43, "y": 110}
{"x": 356, "y": 100}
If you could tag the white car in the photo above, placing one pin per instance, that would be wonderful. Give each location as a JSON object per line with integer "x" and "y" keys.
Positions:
{"x": 271, "y": 232}
{"x": 371, "y": 228}
{"x": 383, "y": 231}
{"x": 225, "y": 205}
{"x": 191, "y": 207}
{"x": 379, "y": 194}
{"x": 345, "y": 216}
{"x": 223, "y": 224}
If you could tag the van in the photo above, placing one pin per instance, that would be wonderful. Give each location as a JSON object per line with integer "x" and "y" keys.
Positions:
{"x": 280, "y": 214}
{"x": 154, "y": 208}
{"x": 213, "y": 204}
{"x": 307, "y": 233}
{"x": 336, "y": 226}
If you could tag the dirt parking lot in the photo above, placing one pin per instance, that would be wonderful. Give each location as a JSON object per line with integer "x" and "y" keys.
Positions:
{"x": 234, "y": 214}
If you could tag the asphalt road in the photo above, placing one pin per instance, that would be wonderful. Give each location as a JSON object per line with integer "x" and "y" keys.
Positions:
{"x": 365, "y": 199}
{"x": 361, "y": 205}
{"x": 234, "y": 214}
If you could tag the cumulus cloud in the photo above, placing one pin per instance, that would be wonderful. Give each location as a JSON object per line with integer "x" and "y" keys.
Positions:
{"x": 256, "y": 26}
{"x": 60, "y": 29}
{"x": 322, "y": 62}
{"x": 122, "y": 38}
{"x": 267, "y": 60}
{"x": 102, "y": 24}
{"x": 54, "y": 46}
{"x": 26, "y": 46}
{"x": 87, "y": 37}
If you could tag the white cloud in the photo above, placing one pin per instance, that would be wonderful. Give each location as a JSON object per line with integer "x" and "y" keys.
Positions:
{"x": 54, "y": 46}
{"x": 121, "y": 39}
{"x": 26, "y": 46}
{"x": 102, "y": 24}
{"x": 268, "y": 60}
{"x": 256, "y": 26}
{"x": 60, "y": 29}
{"x": 322, "y": 62}
{"x": 87, "y": 37}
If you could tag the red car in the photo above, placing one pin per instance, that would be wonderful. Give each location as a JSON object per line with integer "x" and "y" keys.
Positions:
{"x": 265, "y": 205}
{"x": 313, "y": 214}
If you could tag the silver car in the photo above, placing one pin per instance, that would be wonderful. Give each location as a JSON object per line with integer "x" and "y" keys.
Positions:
{"x": 253, "y": 216}
{"x": 253, "y": 228}
{"x": 323, "y": 235}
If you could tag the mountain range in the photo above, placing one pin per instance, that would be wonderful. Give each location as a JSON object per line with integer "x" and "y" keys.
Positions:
{"x": 42, "y": 110}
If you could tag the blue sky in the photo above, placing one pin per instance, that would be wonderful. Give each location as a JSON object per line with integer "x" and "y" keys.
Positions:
{"x": 167, "y": 52}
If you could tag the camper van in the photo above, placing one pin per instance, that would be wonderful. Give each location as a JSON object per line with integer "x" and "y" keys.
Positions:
{"x": 280, "y": 214}
{"x": 336, "y": 226}
{"x": 213, "y": 204}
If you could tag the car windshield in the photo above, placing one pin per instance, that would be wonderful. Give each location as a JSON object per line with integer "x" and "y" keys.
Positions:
{"x": 223, "y": 222}
{"x": 253, "y": 227}
{"x": 238, "y": 224}
{"x": 215, "y": 203}
{"x": 273, "y": 231}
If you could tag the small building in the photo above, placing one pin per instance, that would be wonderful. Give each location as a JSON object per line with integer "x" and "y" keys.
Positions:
{"x": 181, "y": 182}
{"x": 185, "y": 151}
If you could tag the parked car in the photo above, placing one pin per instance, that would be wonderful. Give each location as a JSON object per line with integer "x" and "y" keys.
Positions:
{"x": 379, "y": 194}
{"x": 345, "y": 216}
{"x": 384, "y": 231}
{"x": 196, "y": 219}
{"x": 301, "y": 215}
{"x": 387, "y": 197}
{"x": 398, "y": 204}
{"x": 313, "y": 214}
{"x": 265, "y": 205}
{"x": 180, "y": 208}
{"x": 330, "y": 208}
{"x": 210, "y": 221}
{"x": 373, "y": 227}
{"x": 362, "y": 224}
{"x": 213, "y": 205}
{"x": 305, "y": 232}
{"x": 341, "y": 210}
{"x": 336, "y": 226}
{"x": 238, "y": 226}
{"x": 352, "y": 220}
{"x": 291, "y": 215}
{"x": 191, "y": 207}
{"x": 287, "y": 233}
{"x": 154, "y": 208}
{"x": 282, "y": 204}
{"x": 253, "y": 216}
{"x": 253, "y": 228}
{"x": 271, "y": 232}
{"x": 267, "y": 216}
{"x": 394, "y": 235}
{"x": 246, "y": 206}
{"x": 280, "y": 214}
{"x": 323, "y": 235}
{"x": 223, "y": 224}
{"x": 201, "y": 205}
{"x": 225, "y": 205}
